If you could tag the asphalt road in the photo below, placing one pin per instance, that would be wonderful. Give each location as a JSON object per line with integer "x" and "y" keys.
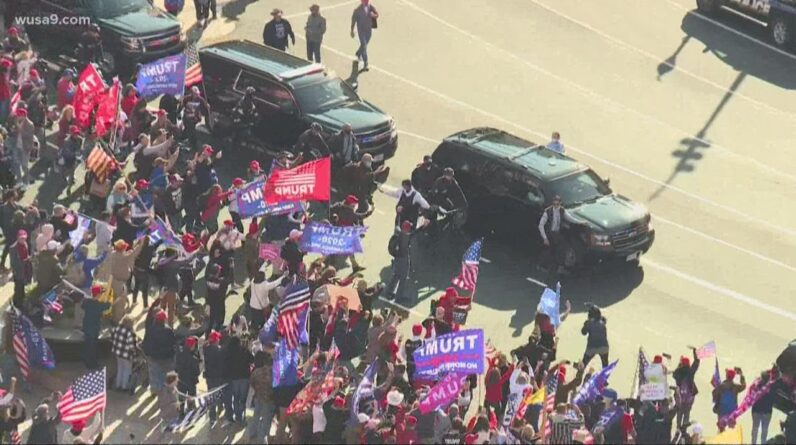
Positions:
{"x": 682, "y": 113}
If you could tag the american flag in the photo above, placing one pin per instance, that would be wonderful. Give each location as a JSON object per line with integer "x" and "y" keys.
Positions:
{"x": 467, "y": 278}
{"x": 84, "y": 398}
{"x": 201, "y": 405}
{"x": 51, "y": 302}
{"x": 293, "y": 306}
{"x": 20, "y": 345}
{"x": 707, "y": 350}
{"x": 550, "y": 401}
{"x": 99, "y": 162}
{"x": 15, "y": 99}
{"x": 193, "y": 69}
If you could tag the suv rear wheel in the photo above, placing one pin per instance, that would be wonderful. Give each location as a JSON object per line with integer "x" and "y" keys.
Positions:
{"x": 781, "y": 31}
{"x": 573, "y": 253}
{"x": 708, "y": 6}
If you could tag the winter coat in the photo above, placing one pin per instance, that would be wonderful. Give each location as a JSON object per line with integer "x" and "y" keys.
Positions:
{"x": 238, "y": 360}
{"x": 158, "y": 341}
{"x": 187, "y": 366}
{"x": 92, "y": 317}
{"x": 215, "y": 361}
{"x": 48, "y": 270}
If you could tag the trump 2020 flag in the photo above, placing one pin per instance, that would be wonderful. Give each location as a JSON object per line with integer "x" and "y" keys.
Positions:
{"x": 594, "y": 387}
{"x": 89, "y": 87}
{"x": 550, "y": 304}
{"x": 31, "y": 344}
{"x": 84, "y": 223}
{"x": 364, "y": 391}
{"x": 310, "y": 181}
{"x": 286, "y": 361}
{"x": 251, "y": 202}
{"x": 163, "y": 76}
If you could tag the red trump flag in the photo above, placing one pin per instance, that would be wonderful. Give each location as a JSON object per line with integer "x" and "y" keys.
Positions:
{"x": 310, "y": 181}
{"x": 107, "y": 110}
{"x": 89, "y": 87}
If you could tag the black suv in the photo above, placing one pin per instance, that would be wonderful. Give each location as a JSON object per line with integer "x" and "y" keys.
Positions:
{"x": 778, "y": 15}
{"x": 133, "y": 31}
{"x": 290, "y": 93}
{"x": 509, "y": 182}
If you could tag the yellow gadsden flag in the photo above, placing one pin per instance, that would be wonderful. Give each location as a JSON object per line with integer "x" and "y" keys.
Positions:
{"x": 728, "y": 437}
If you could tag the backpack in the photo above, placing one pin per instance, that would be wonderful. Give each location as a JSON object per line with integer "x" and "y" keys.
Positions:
{"x": 174, "y": 6}
{"x": 394, "y": 246}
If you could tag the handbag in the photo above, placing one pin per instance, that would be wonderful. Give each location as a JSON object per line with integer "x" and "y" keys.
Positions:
{"x": 374, "y": 22}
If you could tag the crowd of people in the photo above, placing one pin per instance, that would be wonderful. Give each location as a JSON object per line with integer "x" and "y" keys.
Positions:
{"x": 357, "y": 382}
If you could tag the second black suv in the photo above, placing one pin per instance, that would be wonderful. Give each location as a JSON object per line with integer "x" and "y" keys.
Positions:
{"x": 133, "y": 31}
{"x": 509, "y": 182}
{"x": 290, "y": 94}
{"x": 778, "y": 15}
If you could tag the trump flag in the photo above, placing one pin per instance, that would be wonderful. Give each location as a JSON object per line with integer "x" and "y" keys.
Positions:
{"x": 310, "y": 181}
{"x": 89, "y": 86}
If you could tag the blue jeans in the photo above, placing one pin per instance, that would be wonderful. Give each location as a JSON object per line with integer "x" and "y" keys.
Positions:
{"x": 124, "y": 368}
{"x": 157, "y": 372}
{"x": 761, "y": 421}
{"x": 260, "y": 424}
{"x": 235, "y": 400}
{"x": 314, "y": 51}
{"x": 362, "y": 52}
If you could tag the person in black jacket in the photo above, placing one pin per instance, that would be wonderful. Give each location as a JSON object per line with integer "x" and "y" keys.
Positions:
{"x": 238, "y": 361}
{"x": 142, "y": 270}
{"x": 44, "y": 429}
{"x": 158, "y": 346}
{"x": 291, "y": 253}
{"x": 215, "y": 362}
{"x": 216, "y": 294}
{"x": 187, "y": 366}
{"x": 168, "y": 269}
{"x": 277, "y": 31}
{"x": 126, "y": 229}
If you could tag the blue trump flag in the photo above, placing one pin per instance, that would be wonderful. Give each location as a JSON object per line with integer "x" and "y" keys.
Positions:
{"x": 163, "y": 76}
{"x": 364, "y": 392}
{"x": 158, "y": 231}
{"x": 39, "y": 352}
{"x": 251, "y": 202}
{"x": 268, "y": 331}
{"x": 594, "y": 387}
{"x": 550, "y": 304}
{"x": 285, "y": 365}
{"x": 327, "y": 239}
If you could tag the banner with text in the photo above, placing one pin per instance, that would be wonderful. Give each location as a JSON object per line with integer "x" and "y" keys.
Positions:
{"x": 163, "y": 76}
{"x": 327, "y": 239}
{"x": 461, "y": 352}
{"x": 89, "y": 86}
{"x": 443, "y": 393}
{"x": 251, "y": 202}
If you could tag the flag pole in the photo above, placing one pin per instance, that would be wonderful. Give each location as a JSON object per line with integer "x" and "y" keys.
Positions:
{"x": 634, "y": 388}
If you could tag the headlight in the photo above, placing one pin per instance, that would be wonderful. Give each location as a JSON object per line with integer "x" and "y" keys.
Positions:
{"x": 600, "y": 240}
{"x": 392, "y": 124}
{"x": 649, "y": 226}
{"x": 132, "y": 43}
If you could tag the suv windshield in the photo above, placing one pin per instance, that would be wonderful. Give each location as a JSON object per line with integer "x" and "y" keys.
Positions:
{"x": 578, "y": 188}
{"x": 115, "y": 8}
{"x": 324, "y": 95}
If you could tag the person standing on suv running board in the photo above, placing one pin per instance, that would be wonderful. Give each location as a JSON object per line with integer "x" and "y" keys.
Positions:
{"x": 555, "y": 143}
{"x": 277, "y": 31}
{"x": 550, "y": 229}
{"x": 364, "y": 18}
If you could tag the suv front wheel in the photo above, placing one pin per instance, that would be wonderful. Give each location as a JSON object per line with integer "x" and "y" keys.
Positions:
{"x": 573, "y": 253}
{"x": 781, "y": 33}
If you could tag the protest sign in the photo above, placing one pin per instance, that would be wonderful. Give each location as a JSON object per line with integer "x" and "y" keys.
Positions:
{"x": 251, "y": 202}
{"x": 443, "y": 393}
{"x": 163, "y": 76}
{"x": 327, "y": 239}
{"x": 655, "y": 387}
{"x": 461, "y": 351}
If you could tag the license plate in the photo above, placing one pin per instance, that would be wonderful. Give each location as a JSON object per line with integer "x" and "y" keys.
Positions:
{"x": 633, "y": 256}
{"x": 378, "y": 158}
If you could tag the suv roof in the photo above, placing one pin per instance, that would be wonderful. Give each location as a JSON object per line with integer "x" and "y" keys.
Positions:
{"x": 266, "y": 60}
{"x": 543, "y": 163}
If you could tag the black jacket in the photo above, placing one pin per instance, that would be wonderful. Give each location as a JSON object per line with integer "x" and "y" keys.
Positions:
{"x": 270, "y": 37}
{"x": 215, "y": 362}
{"x": 238, "y": 360}
{"x": 187, "y": 366}
{"x": 159, "y": 341}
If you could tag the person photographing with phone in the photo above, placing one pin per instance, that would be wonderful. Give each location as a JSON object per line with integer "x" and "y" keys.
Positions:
{"x": 725, "y": 395}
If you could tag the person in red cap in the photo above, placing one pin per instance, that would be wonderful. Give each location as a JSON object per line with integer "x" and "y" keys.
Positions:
{"x": 187, "y": 366}
{"x": 14, "y": 43}
{"x": 215, "y": 366}
{"x": 23, "y": 150}
{"x": 65, "y": 88}
{"x": 255, "y": 173}
{"x": 69, "y": 151}
{"x": 234, "y": 211}
{"x": 725, "y": 395}
{"x": 21, "y": 266}
{"x": 215, "y": 198}
{"x": 345, "y": 214}
{"x": 92, "y": 309}
{"x": 162, "y": 123}
{"x": 251, "y": 249}
{"x": 158, "y": 345}
{"x": 686, "y": 389}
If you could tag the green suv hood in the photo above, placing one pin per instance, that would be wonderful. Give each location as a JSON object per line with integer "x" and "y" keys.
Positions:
{"x": 361, "y": 115}
{"x": 141, "y": 23}
{"x": 611, "y": 213}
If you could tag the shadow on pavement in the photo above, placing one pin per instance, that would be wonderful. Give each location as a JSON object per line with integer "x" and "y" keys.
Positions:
{"x": 742, "y": 54}
{"x": 232, "y": 10}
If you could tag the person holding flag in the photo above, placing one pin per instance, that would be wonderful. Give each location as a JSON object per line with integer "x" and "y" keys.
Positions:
{"x": 686, "y": 390}
{"x": 725, "y": 395}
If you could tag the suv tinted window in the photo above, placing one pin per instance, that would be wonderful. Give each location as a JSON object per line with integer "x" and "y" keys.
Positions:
{"x": 265, "y": 90}
{"x": 324, "y": 95}
{"x": 115, "y": 8}
{"x": 578, "y": 188}
{"x": 66, "y": 4}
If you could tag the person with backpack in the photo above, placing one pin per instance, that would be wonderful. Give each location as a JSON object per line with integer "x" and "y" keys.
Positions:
{"x": 174, "y": 7}
{"x": 399, "y": 247}
{"x": 725, "y": 395}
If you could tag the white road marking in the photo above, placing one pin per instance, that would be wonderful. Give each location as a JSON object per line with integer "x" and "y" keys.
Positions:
{"x": 647, "y": 54}
{"x": 380, "y": 212}
{"x": 400, "y": 306}
{"x": 419, "y": 136}
{"x": 323, "y": 9}
{"x": 769, "y": 260}
{"x": 486, "y": 260}
{"x": 719, "y": 289}
{"x": 696, "y": 13}
{"x": 589, "y": 93}
{"x": 535, "y": 281}
{"x": 747, "y": 217}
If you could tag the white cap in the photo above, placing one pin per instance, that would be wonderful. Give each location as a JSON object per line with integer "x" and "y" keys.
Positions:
{"x": 394, "y": 398}
{"x": 362, "y": 417}
{"x": 53, "y": 245}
